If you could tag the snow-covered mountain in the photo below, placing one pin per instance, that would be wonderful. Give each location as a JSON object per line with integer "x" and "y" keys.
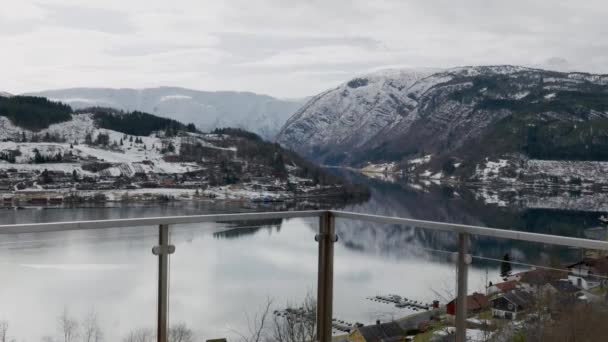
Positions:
{"x": 349, "y": 116}
{"x": 261, "y": 114}
{"x": 5, "y": 94}
{"x": 465, "y": 113}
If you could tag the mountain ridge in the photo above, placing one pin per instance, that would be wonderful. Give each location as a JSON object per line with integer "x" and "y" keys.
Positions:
{"x": 208, "y": 110}
{"x": 455, "y": 114}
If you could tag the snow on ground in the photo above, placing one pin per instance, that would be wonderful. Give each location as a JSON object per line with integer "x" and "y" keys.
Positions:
{"x": 64, "y": 167}
{"x": 490, "y": 169}
{"x": 437, "y": 175}
{"x": 489, "y": 196}
{"x": 595, "y": 171}
{"x": 380, "y": 168}
{"x": 521, "y": 95}
{"x": 422, "y": 160}
{"x": 233, "y": 192}
{"x": 473, "y": 335}
{"x": 130, "y": 157}
{"x": 550, "y": 96}
{"x": 74, "y": 131}
{"x": 593, "y": 202}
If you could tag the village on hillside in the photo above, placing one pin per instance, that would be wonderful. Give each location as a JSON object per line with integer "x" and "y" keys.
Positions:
{"x": 543, "y": 303}
{"x": 76, "y": 161}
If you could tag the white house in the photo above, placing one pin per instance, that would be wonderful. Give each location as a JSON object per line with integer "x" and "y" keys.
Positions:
{"x": 589, "y": 273}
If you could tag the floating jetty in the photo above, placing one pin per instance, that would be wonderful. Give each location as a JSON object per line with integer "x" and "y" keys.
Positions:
{"x": 401, "y": 302}
{"x": 344, "y": 326}
{"x": 302, "y": 316}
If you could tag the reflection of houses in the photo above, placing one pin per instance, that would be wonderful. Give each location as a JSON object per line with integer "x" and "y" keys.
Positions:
{"x": 509, "y": 304}
{"x": 390, "y": 331}
{"x": 476, "y": 302}
{"x": 589, "y": 273}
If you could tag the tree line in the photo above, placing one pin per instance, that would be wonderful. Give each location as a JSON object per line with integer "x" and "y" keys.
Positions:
{"x": 34, "y": 113}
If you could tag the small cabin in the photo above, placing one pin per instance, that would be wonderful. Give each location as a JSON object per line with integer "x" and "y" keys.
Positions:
{"x": 510, "y": 304}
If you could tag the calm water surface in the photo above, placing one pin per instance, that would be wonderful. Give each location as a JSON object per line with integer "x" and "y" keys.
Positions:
{"x": 221, "y": 276}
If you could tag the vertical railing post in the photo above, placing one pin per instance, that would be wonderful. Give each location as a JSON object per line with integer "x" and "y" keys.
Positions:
{"x": 325, "y": 281}
{"x": 163, "y": 249}
{"x": 461, "y": 301}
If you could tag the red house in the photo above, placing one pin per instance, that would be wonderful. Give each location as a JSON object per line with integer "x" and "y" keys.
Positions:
{"x": 475, "y": 303}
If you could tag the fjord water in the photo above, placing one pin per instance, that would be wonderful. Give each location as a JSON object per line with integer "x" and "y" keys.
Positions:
{"x": 222, "y": 275}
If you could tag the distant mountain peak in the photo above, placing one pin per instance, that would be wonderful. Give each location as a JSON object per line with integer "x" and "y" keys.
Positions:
{"x": 5, "y": 94}
{"x": 261, "y": 114}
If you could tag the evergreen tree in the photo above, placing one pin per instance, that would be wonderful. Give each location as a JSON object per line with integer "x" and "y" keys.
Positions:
{"x": 38, "y": 158}
{"x": 45, "y": 177}
{"x": 505, "y": 266}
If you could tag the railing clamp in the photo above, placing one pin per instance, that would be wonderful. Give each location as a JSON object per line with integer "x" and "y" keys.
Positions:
{"x": 318, "y": 237}
{"x": 162, "y": 250}
{"x": 468, "y": 258}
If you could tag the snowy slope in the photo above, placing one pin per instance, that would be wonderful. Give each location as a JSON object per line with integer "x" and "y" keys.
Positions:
{"x": 392, "y": 115}
{"x": 5, "y": 94}
{"x": 260, "y": 114}
{"x": 128, "y": 157}
{"x": 353, "y": 113}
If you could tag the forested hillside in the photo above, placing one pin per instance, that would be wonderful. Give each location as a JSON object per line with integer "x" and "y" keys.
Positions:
{"x": 33, "y": 113}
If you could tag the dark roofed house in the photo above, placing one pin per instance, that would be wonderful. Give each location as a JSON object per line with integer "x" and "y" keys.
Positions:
{"x": 509, "y": 304}
{"x": 476, "y": 302}
{"x": 381, "y": 332}
{"x": 562, "y": 287}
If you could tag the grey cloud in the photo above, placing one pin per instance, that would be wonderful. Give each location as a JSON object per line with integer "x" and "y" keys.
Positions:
{"x": 141, "y": 50}
{"x": 88, "y": 18}
{"x": 286, "y": 48}
{"x": 249, "y": 46}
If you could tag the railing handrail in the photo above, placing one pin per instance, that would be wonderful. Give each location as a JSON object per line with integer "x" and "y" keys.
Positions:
{"x": 478, "y": 230}
{"x": 153, "y": 222}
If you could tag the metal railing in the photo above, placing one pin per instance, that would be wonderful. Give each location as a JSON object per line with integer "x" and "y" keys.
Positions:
{"x": 326, "y": 239}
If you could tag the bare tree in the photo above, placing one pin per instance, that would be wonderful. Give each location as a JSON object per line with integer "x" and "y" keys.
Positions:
{"x": 297, "y": 324}
{"x": 68, "y": 327}
{"x": 3, "y": 330}
{"x": 91, "y": 332}
{"x": 444, "y": 289}
{"x": 258, "y": 326}
{"x": 140, "y": 335}
{"x": 180, "y": 333}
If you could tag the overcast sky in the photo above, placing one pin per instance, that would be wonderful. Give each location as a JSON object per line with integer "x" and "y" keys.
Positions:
{"x": 283, "y": 48}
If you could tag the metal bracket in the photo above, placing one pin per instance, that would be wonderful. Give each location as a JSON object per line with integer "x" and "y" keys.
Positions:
{"x": 319, "y": 236}
{"x": 468, "y": 258}
{"x": 161, "y": 250}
